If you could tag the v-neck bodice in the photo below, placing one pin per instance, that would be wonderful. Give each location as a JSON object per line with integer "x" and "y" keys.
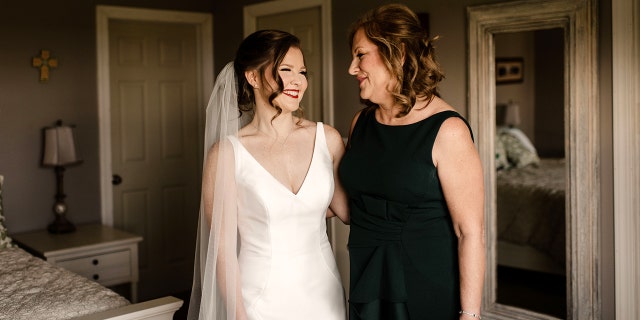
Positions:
{"x": 285, "y": 257}
{"x": 242, "y": 150}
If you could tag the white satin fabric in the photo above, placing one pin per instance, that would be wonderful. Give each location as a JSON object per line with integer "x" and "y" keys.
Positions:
{"x": 287, "y": 269}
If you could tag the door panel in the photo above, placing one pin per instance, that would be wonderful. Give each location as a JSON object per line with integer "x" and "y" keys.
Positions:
{"x": 154, "y": 137}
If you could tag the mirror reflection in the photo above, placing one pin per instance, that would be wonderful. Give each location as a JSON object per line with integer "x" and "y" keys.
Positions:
{"x": 531, "y": 171}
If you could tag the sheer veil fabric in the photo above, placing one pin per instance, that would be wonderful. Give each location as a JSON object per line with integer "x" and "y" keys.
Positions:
{"x": 216, "y": 292}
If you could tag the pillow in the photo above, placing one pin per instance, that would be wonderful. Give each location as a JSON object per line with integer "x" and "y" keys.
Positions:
{"x": 5, "y": 241}
{"x": 518, "y": 134}
{"x": 502, "y": 162}
{"x": 520, "y": 150}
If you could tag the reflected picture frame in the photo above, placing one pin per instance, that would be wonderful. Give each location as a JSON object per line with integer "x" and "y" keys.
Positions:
{"x": 509, "y": 70}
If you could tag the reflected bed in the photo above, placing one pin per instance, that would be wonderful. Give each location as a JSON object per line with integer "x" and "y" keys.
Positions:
{"x": 531, "y": 216}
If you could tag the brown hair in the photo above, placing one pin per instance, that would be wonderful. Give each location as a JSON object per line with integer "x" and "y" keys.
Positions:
{"x": 406, "y": 50}
{"x": 258, "y": 51}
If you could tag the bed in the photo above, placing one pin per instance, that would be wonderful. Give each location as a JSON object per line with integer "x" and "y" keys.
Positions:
{"x": 530, "y": 206}
{"x": 33, "y": 289}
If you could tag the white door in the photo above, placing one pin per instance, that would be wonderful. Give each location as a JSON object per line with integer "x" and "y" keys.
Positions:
{"x": 155, "y": 147}
{"x": 304, "y": 24}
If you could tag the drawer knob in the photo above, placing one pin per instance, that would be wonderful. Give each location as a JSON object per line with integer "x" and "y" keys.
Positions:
{"x": 96, "y": 277}
{"x": 95, "y": 262}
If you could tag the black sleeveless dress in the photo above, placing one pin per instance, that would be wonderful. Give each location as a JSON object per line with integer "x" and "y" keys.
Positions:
{"x": 402, "y": 247}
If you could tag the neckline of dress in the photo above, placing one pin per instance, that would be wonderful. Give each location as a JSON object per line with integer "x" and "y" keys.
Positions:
{"x": 306, "y": 176}
{"x": 375, "y": 119}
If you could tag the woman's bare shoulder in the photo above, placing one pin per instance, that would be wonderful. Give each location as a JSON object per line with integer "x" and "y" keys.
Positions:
{"x": 330, "y": 131}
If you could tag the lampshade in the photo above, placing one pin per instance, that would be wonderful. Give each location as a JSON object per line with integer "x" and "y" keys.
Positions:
{"x": 512, "y": 114}
{"x": 59, "y": 146}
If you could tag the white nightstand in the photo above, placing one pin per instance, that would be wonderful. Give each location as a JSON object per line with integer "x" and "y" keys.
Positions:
{"x": 104, "y": 254}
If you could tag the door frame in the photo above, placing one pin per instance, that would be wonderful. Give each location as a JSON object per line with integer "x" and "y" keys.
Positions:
{"x": 253, "y": 12}
{"x": 626, "y": 138}
{"x": 204, "y": 42}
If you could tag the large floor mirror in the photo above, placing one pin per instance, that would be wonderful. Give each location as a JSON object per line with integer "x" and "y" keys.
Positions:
{"x": 533, "y": 104}
{"x": 531, "y": 171}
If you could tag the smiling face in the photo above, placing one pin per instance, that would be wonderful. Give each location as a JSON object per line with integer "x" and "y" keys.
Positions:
{"x": 369, "y": 69}
{"x": 293, "y": 74}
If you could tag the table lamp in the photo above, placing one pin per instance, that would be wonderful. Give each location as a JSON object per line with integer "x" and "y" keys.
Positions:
{"x": 59, "y": 152}
{"x": 512, "y": 115}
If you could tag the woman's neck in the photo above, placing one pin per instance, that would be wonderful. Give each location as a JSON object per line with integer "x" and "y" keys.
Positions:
{"x": 390, "y": 114}
{"x": 278, "y": 128}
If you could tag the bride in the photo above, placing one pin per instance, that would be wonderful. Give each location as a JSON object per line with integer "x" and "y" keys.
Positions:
{"x": 269, "y": 183}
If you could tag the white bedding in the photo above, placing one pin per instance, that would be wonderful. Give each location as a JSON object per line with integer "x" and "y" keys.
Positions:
{"x": 32, "y": 289}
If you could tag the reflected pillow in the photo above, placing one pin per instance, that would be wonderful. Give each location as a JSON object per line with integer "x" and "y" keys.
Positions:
{"x": 501, "y": 161}
{"x": 520, "y": 150}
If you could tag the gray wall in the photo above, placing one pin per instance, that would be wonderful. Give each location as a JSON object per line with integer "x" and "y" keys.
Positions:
{"x": 68, "y": 30}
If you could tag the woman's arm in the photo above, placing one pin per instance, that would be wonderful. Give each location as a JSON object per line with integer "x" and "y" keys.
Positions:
{"x": 460, "y": 173}
{"x": 221, "y": 215}
{"x": 339, "y": 205}
{"x": 336, "y": 163}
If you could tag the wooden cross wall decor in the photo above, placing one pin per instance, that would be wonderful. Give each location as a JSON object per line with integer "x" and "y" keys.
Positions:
{"x": 45, "y": 63}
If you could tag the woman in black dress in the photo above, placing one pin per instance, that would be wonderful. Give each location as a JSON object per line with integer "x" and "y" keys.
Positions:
{"x": 414, "y": 181}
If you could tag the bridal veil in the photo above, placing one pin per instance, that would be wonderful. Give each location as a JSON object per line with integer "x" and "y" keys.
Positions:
{"x": 216, "y": 293}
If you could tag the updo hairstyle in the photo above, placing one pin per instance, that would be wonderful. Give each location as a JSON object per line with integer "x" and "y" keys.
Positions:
{"x": 259, "y": 51}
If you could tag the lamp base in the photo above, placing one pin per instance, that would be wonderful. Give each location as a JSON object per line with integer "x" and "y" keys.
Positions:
{"x": 61, "y": 225}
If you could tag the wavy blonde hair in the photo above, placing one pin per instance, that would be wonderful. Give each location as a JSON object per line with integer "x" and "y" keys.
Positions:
{"x": 406, "y": 50}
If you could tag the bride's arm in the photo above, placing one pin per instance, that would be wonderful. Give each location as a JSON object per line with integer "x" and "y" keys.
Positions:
{"x": 220, "y": 205}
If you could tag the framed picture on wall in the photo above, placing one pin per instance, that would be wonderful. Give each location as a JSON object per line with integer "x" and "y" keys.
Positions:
{"x": 509, "y": 70}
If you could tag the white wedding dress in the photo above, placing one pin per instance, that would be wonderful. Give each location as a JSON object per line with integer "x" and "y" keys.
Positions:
{"x": 287, "y": 268}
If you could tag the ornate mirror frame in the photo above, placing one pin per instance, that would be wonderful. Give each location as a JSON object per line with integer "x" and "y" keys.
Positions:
{"x": 578, "y": 20}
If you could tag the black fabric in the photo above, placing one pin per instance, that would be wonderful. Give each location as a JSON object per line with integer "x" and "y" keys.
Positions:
{"x": 402, "y": 246}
